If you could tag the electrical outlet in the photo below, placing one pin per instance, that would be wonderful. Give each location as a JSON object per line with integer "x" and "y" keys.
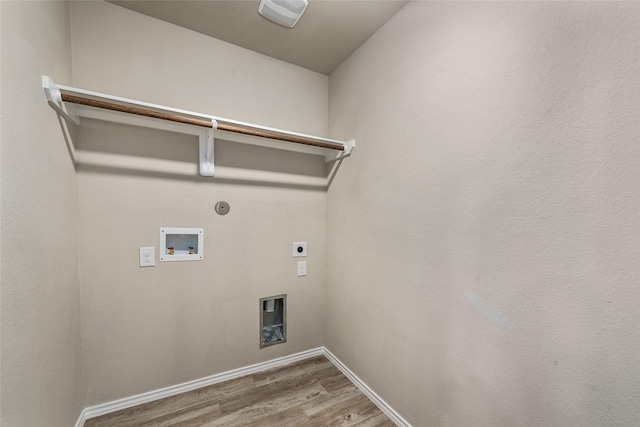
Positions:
{"x": 299, "y": 249}
{"x": 302, "y": 268}
{"x": 147, "y": 257}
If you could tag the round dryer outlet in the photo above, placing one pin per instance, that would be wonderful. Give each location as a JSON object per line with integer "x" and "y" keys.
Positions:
{"x": 222, "y": 208}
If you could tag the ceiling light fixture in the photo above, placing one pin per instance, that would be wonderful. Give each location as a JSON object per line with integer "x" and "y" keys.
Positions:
{"x": 284, "y": 12}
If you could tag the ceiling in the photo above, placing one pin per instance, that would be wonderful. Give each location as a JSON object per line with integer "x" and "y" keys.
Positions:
{"x": 328, "y": 32}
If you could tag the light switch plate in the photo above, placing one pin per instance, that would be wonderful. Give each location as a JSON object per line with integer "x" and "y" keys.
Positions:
{"x": 302, "y": 268}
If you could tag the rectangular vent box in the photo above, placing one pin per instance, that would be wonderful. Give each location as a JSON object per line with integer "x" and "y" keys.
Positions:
{"x": 273, "y": 320}
{"x": 181, "y": 244}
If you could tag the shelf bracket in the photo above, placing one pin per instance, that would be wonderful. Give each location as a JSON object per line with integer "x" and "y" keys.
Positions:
{"x": 206, "y": 149}
{"x": 54, "y": 99}
{"x": 348, "y": 149}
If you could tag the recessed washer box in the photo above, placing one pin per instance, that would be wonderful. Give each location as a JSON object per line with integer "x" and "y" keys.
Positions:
{"x": 181, "y": 244}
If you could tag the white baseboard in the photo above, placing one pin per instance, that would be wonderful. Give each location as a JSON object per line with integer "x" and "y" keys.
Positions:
{"x": 377, "y": 400}
{"x": 82, "y": 418}
{"x": 150, "y": 396}
{"x": 139, "y": 399}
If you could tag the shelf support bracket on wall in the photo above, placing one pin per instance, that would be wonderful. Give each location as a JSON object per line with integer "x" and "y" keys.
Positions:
{"x": 206, "y": 150}
{"x": 54, "y": 99}
{"x": 348, "y": 149}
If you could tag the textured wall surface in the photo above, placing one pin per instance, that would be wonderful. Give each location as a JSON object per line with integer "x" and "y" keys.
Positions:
{"x": 41, "y": 384}
{"x": 149, "y": 328}
{"x": 484, "y": 239}
{"x": 482, "y": 243}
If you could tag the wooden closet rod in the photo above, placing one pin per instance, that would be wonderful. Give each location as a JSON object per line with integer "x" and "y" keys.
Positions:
{"x": 196, "y": 122}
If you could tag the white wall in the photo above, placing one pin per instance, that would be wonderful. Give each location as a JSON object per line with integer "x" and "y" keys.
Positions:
{"x": 153, "y": 327}
{"x": 484, "y": 241}
{"x": 41, "y": 377}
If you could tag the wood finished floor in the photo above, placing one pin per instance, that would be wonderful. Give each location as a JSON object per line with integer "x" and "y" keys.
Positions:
{"x": 310, "y": 393}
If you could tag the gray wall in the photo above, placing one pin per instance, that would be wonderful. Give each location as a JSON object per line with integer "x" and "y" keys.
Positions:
{"x": 41, "y": 378}
{"x": 481, "y": 245}
{"x": 483, "y": 241}
{"x": 147, "y": 328}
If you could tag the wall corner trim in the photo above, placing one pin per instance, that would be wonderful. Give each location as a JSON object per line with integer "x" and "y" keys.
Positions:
{"x": 150, "y": 396}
